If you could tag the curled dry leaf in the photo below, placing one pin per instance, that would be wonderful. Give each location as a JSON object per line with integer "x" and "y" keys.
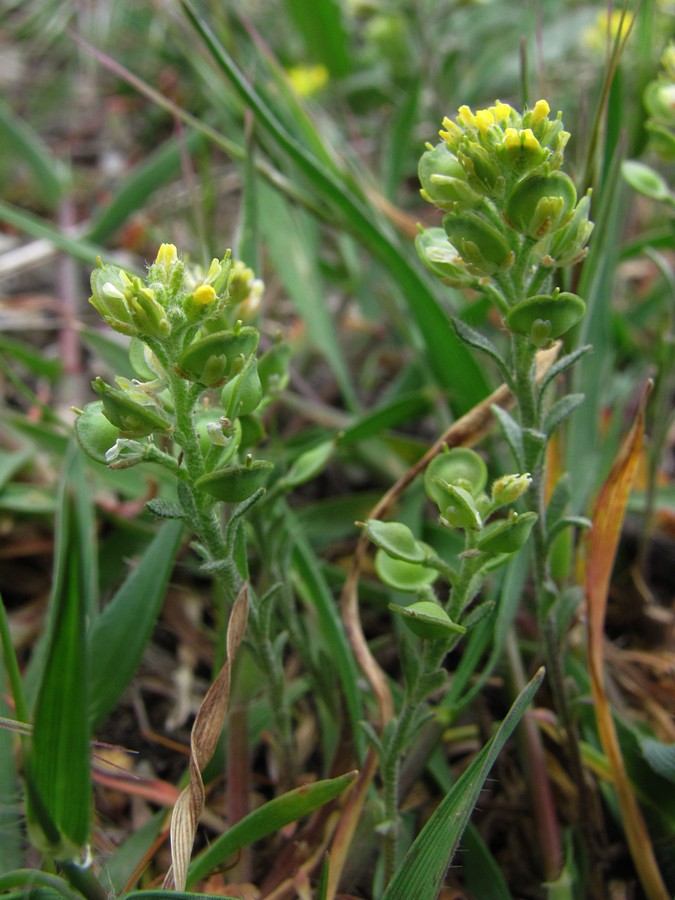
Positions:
{"x": 205, "y": 732}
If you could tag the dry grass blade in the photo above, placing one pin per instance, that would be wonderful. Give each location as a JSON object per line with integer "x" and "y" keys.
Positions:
{"x": 603, "y": 540}
{"x": 205, "y": 731}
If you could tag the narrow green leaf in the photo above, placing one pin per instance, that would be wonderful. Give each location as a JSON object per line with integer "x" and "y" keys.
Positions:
{"x": 158, "y": 169}
{"x": 293, "y": 242}
{"x": 118, "y": 637}
{"x": 112, "y": 352}
{"x": 77, "y": 247}
{"x": 560, "y": 410}
{"x": 426, "y": 862}
{"x": 12, "y": 462}
{"x": 401, "y": 411}
{"x": 26, "y": 145}
{"x": 312, "y": 587}
{"x": 268, "y": 818}
{"x": 478, "y": 340}
{"x": 32, "y": 358}
{"x": 513, "y": 434}
{"x": 482, "y": 874}
{"x": 58, "y": 772}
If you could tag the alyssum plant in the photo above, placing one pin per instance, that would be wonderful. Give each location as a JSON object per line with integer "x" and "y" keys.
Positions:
{"x": 512, "y": 222}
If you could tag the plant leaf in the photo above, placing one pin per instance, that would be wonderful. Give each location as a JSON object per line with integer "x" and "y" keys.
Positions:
{"x": 58, "y": 777}
{"x": 426, "y": 862}
{"x": 268, "y": 818}
{"x": 118, "y": 636}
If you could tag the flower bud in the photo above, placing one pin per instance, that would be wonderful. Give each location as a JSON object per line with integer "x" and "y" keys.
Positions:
{"x": 481, "y": 246}
{"x": 510, "y": 488}
{"x": 544, "y": 318}
{"x": 147, "y": 312}
{"x": 134, "y": 418}
{"x": 234, "y": 484}
{"x": 110, "y": 286}
{"x": 438, "y": 255}
{"x": 427, "y": 619}
{"x": 443, "y": 179}
{"x": 567, "y": 245}
{"x": 482, "y": 173}
{"x": 539, "y": 203}
{"x": 521, "y": 151}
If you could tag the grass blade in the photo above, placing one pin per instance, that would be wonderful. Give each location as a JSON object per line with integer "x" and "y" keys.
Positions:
{"x": 423, "y": 869}
{"x": 118, "y": 636}
{"x": 268, "y": 818}
{"x": 58, "y": 775}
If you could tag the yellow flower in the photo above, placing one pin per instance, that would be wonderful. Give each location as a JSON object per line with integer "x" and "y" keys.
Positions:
{"x": 540, "y": 112}
{"x": 501, "y": 112}
{"x": 204, "y": 295}
{"x": 484, "y": 118}
{"x": 606, "y": 29}
{"x": 166, "y": 256}
{"x": 465, "y": 116}
{"x": 307, "y": 80}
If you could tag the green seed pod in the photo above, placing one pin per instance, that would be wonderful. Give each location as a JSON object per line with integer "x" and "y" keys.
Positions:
{"x": 507, "y": 535}
{"x": 396, "y": 539}
{"x": 402, "y": 575}
{"x": 243, "y": 393}
{"x": 443, "y": 179}
{"x": 94, "y": 431}
{"x": 133, "y": 419}
{"x": 458, "y": 510}
{"x": 544, "y": 318}
{"x": 212, "y": 358}
{"x": 427, "y": 619}
{"x": 540, "y": 203}
{"x": 236, "y": 483}
{"x": 481, "y": 246}
{"x": 459, "y": 466}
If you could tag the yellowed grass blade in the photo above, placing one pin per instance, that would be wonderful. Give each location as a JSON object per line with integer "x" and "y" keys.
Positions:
{"x": 603, "y": 539}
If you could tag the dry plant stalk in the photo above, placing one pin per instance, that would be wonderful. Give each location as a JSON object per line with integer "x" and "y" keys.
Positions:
{"x": 205, "y": 732}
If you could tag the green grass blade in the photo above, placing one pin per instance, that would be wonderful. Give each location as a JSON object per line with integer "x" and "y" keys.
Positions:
{"x": 465, "y": 379}
{"x": 311, "y": 585}
{"x": 58, "y": 774}
{"x": 426, "y": 862}
{"x": 268, "y": 818}
{"x": 11, "y": 829}
{"x": 321, "y": 24}
{"x": 21, "y": 141}
{"x": 158, "y": 169}
{"x": 117, "y": 638}
{"x": 293, "y": 242}
{"x": 77, "y": 247}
